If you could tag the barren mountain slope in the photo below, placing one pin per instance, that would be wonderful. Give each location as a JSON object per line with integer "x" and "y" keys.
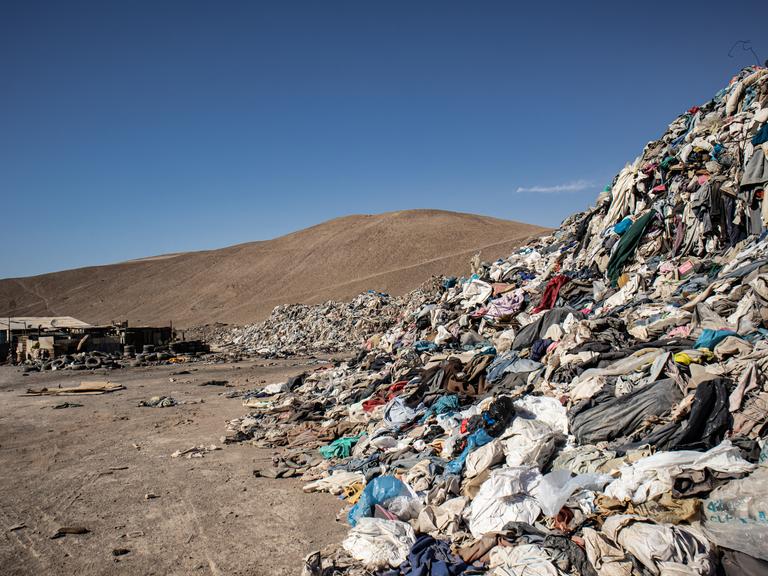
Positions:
{"x": 392, "y": 252}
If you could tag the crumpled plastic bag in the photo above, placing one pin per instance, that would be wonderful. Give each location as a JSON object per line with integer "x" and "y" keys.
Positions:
{"x": 378, "y": 490}
{"x": 554, "y": 489}
{"x": 736, "y": 515}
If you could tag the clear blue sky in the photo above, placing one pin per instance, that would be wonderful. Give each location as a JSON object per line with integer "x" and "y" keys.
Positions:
{"x": 133, "y": 128}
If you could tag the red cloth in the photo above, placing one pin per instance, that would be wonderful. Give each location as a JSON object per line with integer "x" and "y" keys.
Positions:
{"x": 479, "y": 313}
{"x": 383, "y": 396}
{"x": 550, "y": 293}
{"x": 369, "y": 405}
{"x": 395, "y": 389}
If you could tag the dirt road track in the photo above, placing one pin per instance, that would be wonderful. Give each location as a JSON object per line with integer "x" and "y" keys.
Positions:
{"x": 78, "y": 466}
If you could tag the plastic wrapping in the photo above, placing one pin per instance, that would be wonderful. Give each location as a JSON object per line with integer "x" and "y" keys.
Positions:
{"x": 554, "y": 489}
{"x": 736, "y": 515}
{"x": 379, "y": 490}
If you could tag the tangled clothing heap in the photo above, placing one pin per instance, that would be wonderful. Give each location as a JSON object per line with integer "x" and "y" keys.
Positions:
{"x": 596, "y": 403}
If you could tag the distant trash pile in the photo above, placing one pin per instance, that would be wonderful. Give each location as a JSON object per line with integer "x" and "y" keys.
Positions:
{"x": 329, "y": 327}
{"x": 150, "y": 355}
{"x": 595, "y": 404}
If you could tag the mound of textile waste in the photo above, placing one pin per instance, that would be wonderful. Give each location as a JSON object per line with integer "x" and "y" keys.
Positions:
{"x": 595, "y": 404}
{"x": 328, "y": 327}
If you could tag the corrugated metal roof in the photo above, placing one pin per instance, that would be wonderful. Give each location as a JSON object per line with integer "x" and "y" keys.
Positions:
{"x": 44, "y": 322}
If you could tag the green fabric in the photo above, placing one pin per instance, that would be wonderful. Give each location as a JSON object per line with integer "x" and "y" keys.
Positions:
{"x": 668, "y": 161}
{"x": 339, "y": 448}
{"x": 627, "y": 246}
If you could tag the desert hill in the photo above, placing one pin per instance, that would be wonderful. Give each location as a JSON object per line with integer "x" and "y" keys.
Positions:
{"x": 392, "y": 252}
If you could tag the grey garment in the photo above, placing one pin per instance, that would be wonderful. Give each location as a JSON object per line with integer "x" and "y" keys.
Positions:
{"x": 661, "y": 435}
{"x": 396, "y": 413}
{"x": 742, "y": 271}
{"x": 754, "y": 220}
{"x": 498, "y": 367}
{"x": 705, "y": 317}
{"x": 517, "y": 374}
{"x": 737, "y": 563}
{"x": 756, "y": 170}
{"x": 470, "y": 339}
{"x": 661, "y": 548}
{"x": 701, "y": 201}
{"x": 605, "y": 417}
{"x": 583, "y": 459}
{"x": 565, "y": 554}
{"x": 536, "y": 329}
{"x": 410, "y": 462}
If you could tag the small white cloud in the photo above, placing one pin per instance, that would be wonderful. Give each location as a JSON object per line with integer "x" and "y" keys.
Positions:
{"x": 575, "y": 186}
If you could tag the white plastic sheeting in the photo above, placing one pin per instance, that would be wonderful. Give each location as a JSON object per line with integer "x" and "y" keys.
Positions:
{"x": 379, "y": 543}
{"x": 504, "y": 497}
{"x": 555, "y": 488}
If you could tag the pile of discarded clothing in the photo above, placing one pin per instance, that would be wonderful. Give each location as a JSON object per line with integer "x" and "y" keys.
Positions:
{"x": 328, "y": 327}
{"x": 595, "y": 404}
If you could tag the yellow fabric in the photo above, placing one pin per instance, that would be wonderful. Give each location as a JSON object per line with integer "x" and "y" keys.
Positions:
{"x": 683, "y": 358}
{"x": 689, "y": 357}
{"x": 353, "y": 492}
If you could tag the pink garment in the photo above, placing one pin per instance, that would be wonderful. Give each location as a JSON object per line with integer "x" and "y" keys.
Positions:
{"x": 679, "y": 332}
{"x": 685, "y": 267}
{"x": 552, "y": 346}
{"x": 508, "y": 304}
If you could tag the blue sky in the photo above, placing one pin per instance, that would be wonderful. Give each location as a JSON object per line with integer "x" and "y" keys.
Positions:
{"x": 133, "y": 128}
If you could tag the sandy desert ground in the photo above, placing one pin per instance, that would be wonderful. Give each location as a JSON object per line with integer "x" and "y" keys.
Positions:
{"x": 92, "y": 467}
